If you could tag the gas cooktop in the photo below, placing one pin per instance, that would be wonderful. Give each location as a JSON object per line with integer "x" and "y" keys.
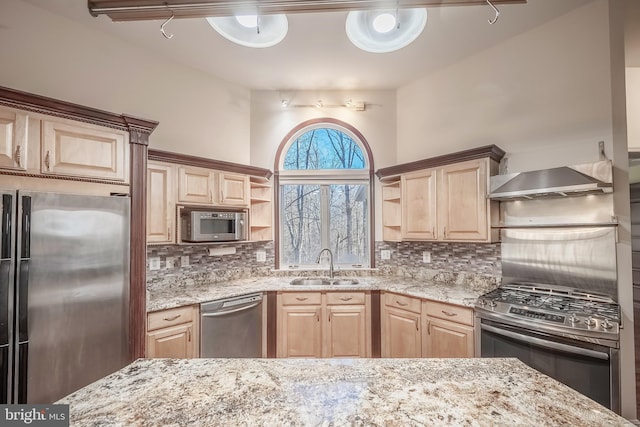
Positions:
{"x": 553, "y": 309}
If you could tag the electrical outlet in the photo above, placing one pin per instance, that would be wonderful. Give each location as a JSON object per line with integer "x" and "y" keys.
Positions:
{"x": 385, "y": 254}
{"x": 261, "y": 256}
{"x": 184, "y": 261}
{"x": 426, "y": 256}
{"x": 154, "y": 263}
{"x": 170, "y": 262}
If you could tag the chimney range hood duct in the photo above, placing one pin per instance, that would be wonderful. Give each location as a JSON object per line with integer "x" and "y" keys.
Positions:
{"x": 579, "y": 180}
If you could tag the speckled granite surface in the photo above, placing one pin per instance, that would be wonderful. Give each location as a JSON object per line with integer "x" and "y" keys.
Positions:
{"x": 199, "y": 289}
{"x": 336, "y": 392}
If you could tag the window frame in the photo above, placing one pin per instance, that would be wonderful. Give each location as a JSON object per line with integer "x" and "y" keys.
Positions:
{"x": 324, "y": 178}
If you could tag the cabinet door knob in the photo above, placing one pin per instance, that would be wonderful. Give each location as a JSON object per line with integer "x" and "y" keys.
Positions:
{"x": 450, "y": 314}
{"x": 169, "y": 319}
{"x": 18, "y": 156}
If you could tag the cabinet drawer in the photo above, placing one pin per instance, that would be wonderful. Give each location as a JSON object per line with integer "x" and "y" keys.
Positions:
{"x": 402, "y": 302}
{"x": 453, "y": 313}
{"x": 341, "y": 298}
{"x": 174, "y": 316}
{"x": 301, "y": 298}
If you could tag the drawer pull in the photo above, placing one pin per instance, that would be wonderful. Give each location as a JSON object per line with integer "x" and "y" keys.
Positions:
{"x": 346, "y": 299}
{"x": 169, "y": 319}
{"x": 402, "y": 304}
{"x": 302, "y": 298}
{"x": 450, "y": 314}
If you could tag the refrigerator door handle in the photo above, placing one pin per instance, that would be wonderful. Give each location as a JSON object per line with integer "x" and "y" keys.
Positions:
{"x": 7, "y": 214}
{"x": 23, "y": 272}
{"x": 23, "y": 357}
{"x": 25, "y": 238}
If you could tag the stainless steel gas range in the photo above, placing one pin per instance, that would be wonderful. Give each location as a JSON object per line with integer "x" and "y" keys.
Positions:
{"x": 570, "y": 335}
{"x": 567, "y": 332}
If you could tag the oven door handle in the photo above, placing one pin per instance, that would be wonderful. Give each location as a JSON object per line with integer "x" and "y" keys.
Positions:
{"x": 547, "y": 344}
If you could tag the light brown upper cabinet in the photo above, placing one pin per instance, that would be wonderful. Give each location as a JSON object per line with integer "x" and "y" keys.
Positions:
{"x": 205, "y": 186}
{"x": 161, "y": 205}
{"x": 419, "y": 220}
{"x": 84, "y": 151}
{"x": 234, "y": 189}
{"x": 13, "y": 140}
{"x": 447, "y": 203}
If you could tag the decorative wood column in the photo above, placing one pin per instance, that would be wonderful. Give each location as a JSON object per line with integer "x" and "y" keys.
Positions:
{"x": 139, "y": 131}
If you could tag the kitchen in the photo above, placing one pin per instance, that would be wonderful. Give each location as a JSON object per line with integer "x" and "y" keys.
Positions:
{"x": 232, "y": 112}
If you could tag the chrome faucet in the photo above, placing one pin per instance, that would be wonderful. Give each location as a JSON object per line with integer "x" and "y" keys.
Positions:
{"x": 330, "y": 260}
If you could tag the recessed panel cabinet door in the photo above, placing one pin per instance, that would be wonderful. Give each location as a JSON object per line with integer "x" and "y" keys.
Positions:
{"x": 463, "y": 201}
{"x": 196, "y": 185}
{"x": 346, "y": 332}
{"x": 448, "y": 339}
{"x": 300, "y": 332}
{"x": 419, "y": 205}
{"x": 172, "y": 342}
{"x": 161, "y": 213}
{"x": 84, "y": 152}
{"x": 401, "y": 333}
{"x": 13, "y": 140}
{"x": 234, "y": 189}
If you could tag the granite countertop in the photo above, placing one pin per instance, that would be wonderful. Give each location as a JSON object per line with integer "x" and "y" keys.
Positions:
{"x": 338, "y": 392}
{"x": 178, "y": 295}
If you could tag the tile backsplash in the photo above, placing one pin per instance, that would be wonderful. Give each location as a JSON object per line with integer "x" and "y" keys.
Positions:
{"x": 412, "y": 259}
{"x": 475, "y": 258}
{"x": 245, "y": 258}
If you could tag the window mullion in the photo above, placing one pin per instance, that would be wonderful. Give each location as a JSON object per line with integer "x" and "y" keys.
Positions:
{"x": 324, "y": 216}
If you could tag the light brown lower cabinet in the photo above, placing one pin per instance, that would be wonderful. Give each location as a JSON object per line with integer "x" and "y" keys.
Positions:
{"x": 174, "y": 333}
{"x": 323, "y": 324}
{"x": 412, "y": 327}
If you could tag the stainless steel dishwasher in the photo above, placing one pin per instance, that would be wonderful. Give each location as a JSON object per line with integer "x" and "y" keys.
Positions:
{"x": 232, "y": 327}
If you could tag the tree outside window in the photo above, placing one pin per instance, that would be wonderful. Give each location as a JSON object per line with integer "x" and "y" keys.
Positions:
{"x": 324, "y": 187}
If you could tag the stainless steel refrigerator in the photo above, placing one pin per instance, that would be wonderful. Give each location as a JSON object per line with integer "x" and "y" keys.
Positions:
{"x": 64, "y": 293}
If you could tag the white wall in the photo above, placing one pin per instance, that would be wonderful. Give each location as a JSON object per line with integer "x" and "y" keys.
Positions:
{"x": 633, "y": 107}
{"x": 542, "y": 96}
{"x": 52, "y": 56}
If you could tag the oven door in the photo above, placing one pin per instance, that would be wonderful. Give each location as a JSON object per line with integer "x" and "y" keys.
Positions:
{"x": 591, "y": 369}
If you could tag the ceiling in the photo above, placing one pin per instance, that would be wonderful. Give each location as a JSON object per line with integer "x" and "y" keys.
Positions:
{"x": 316, "y": 53}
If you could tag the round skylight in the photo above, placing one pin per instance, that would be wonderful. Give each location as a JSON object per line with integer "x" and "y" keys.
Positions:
{"x": 251, "y": 31}
{"x": 382, "y": 31}
{"x": 384, "y": 22}
{"x": 248, "y": 21}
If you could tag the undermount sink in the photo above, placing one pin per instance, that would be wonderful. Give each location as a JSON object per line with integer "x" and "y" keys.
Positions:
{"x": 320, "y": 281}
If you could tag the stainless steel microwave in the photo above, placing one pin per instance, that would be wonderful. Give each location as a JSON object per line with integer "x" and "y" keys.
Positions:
{"x": 207, "y": 226}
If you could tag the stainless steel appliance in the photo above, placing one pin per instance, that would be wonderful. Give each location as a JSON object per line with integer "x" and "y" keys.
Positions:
{"x": 232, "y": 327}
{"x": 206, "y": 226}
{"x": 64, "y": 280}
{"x": 571, "y": 334}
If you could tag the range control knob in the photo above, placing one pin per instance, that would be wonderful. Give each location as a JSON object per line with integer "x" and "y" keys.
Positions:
{"x": 590, "y": 321}
{"x": 606, "y": 324}
{"x": 492, "y": 303}
{"x": 482, "y": 302}
{"x": 573, "y": 318}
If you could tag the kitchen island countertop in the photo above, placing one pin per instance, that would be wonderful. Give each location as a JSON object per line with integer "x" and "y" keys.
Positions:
{"x": 297, "y": 392}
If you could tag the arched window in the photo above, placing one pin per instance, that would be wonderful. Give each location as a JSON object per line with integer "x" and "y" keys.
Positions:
{"x": 324, "y": 169}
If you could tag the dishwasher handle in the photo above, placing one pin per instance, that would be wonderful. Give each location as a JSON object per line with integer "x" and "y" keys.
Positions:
{"x": 222, "y": 313}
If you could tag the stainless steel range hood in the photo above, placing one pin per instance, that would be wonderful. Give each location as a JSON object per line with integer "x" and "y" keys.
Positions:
{"x": 578, "y": 180}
